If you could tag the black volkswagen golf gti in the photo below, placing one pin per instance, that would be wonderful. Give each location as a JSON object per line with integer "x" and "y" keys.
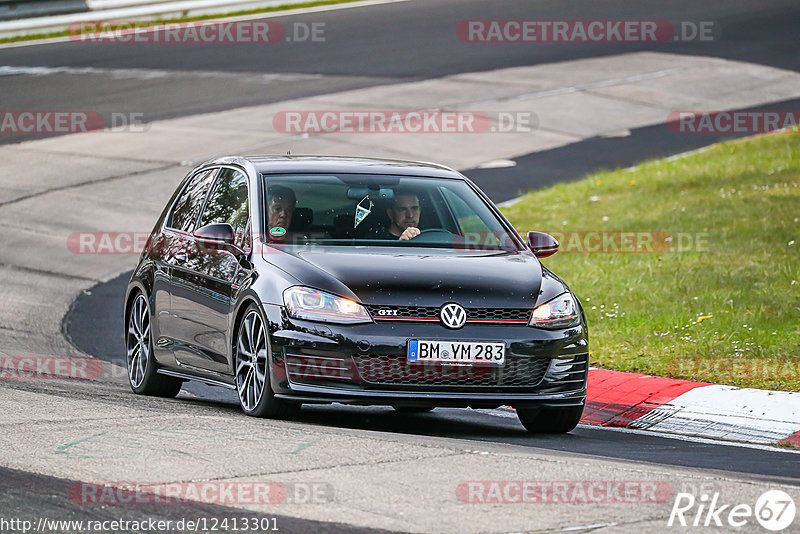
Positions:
{"x": 300, "y": 279}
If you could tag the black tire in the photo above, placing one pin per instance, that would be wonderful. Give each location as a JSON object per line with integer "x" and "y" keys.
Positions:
{"x": 251, "y": 357}
{"x": 550, "y": 420}
{"x": 142, "y": 368}
{"x": 413, "y": 409}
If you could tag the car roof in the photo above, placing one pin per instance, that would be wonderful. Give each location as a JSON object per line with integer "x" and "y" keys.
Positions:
{"x": 279, "y": 164}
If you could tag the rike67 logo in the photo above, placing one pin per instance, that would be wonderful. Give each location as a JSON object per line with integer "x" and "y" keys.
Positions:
{"x": 774, "y": 510}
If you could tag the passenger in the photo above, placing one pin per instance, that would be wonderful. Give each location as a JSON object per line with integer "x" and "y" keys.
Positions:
{"x": 280, "y": 208}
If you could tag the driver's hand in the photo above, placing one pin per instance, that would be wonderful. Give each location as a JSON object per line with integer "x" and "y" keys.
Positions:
{"x": 409, "y": 233}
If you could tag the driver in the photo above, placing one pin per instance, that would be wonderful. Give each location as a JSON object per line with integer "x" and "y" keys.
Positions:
{"x": 403, "y": 218}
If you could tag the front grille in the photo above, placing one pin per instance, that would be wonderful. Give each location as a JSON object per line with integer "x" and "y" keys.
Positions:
{"x": 398, "y": 371}
{"x": 404, "y": 312}
{"x": 430, "y": 313}
{"x": 498, "y": 314}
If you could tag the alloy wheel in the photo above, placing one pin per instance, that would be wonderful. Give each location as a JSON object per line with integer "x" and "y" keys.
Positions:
{"x": 251, "y": 361}
{"x": 138, "y": 341}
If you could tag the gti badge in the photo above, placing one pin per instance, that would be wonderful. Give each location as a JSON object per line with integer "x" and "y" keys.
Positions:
{"x": 453, "y": 316}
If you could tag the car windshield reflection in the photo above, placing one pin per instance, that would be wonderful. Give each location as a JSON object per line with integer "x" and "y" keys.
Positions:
{"x": 381, "y": 210}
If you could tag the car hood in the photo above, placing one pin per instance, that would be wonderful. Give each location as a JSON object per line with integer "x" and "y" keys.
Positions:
{"x": 422, "y": 277}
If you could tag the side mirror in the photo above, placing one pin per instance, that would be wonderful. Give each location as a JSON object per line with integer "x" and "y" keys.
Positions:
{"x": 542, "y": 244}
{"x": 217, "y": 236}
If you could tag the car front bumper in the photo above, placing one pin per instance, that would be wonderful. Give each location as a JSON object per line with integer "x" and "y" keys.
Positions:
{"x": 367, "y": 365}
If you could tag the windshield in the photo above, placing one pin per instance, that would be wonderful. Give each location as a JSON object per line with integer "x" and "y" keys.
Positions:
{"x": 382, "y": 210}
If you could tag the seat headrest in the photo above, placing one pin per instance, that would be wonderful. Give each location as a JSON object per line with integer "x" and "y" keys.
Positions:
{"x": 302, "y": 219}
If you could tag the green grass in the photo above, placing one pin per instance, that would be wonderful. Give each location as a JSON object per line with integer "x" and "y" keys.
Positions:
{"x": 156, "y": 21}
{"x": 727, "y": 311}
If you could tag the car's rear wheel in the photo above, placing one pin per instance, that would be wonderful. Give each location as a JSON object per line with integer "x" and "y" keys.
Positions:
{"x": 550, "y": 420}
{"x": 252, "y": 352}
{"x": 142, "y": 368}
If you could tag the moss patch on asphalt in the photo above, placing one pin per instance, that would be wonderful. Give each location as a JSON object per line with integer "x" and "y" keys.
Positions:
{"x": 713, "y": 293}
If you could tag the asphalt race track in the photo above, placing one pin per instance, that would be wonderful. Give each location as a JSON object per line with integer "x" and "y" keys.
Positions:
{"x": 377, "y": 45}
{"x": 95, "y": 321}
{"x": 366, "y": 48}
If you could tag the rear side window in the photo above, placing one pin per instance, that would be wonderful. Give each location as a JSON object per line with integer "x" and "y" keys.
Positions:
{"x": 190, "y": 201}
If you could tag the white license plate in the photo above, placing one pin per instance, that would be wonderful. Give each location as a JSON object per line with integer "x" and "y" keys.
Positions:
{"x": 457, "y": 352}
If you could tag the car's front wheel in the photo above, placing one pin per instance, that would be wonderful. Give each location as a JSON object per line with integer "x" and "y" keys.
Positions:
{"x": 252, "y": 359}
{"x": 550, "y": 420}
{"x": 142, "y": 368}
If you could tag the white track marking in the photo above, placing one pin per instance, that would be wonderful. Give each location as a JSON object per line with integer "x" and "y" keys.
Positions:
{"x": 149, "y": 74}
{"x": 506, "y": 413}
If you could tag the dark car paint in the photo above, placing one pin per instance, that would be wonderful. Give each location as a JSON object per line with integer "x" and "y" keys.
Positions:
{"x": 418, "y": 277}
{"x": 212, "y": 293}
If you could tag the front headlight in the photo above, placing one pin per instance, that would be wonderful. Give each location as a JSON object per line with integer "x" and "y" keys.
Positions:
{"x": 315, "y": 305}
{"x": 561, "y": 312}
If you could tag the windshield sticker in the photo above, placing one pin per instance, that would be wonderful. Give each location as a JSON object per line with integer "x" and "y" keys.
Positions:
{"x": 362, "y": 210}
{"x": 277, "y": 231}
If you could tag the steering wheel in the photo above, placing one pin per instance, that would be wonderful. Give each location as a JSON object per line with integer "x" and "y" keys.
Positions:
{"x": 432, "y": 235}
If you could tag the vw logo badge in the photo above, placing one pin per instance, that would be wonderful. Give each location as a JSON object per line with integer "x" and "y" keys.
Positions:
{"x": 453, "y": 315}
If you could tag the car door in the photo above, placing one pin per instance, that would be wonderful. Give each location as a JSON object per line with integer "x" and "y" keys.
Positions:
{"x": 171, "y": 253}
{"x": 178, "y": 258}
{"x": 205, "y": 286}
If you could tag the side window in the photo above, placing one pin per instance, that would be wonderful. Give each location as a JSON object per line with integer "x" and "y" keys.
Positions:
{"x": 228, "y": 203}
{"x": 190, "y": 201}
